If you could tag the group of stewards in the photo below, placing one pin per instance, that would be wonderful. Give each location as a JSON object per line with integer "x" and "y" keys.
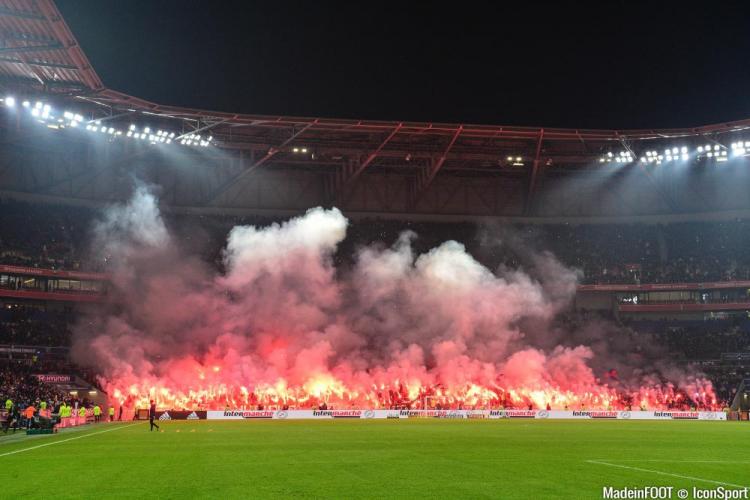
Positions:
{"x": 68, "y": 416}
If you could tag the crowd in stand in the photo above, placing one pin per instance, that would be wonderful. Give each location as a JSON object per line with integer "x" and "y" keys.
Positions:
{"x": 719, "y": 348}
{"x": 19, "y": 391}
{"x": 20, "y": 385}
{"x": 32, "y": 326}
{"x": 45, "y": 236}
{"x": 56, "y": 237}
{"x": 28, "y": 402}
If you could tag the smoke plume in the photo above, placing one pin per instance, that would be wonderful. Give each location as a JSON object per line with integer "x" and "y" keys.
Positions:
{"x": 281, "y": 326}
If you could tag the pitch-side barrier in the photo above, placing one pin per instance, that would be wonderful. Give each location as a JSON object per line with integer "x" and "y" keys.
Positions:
{"x": 444, "y": 414}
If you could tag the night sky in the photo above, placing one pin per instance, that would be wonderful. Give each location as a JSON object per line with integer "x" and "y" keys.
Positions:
{"x": 610, "y": 65}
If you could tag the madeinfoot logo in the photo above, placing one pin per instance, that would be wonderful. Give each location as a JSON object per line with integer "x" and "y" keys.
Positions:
{"x": 595, "y": 414}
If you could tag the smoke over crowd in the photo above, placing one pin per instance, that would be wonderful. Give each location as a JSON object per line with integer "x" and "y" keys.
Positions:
{"x": 281, "y": 326}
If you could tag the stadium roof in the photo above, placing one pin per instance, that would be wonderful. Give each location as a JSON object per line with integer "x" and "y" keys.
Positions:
{"x": 38, "y": 49}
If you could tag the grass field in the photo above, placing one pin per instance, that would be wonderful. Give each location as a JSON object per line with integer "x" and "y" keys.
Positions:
{"x": 375, "y": 459}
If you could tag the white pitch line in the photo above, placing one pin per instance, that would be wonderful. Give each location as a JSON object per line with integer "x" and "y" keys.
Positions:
{"x": 680, "y": 461}
{"x": 63, "y": 441}
{"x": 661, "y": 473}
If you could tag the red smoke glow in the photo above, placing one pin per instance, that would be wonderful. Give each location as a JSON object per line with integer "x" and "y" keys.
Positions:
{"x": 282, "y": 327}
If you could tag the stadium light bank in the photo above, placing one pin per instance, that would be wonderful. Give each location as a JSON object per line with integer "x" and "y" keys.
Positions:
{"x": 46, "y": 115}
{"x": 713, "y": 152}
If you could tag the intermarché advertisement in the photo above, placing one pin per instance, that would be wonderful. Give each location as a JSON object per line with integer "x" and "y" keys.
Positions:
{"x": 463, "y": 414}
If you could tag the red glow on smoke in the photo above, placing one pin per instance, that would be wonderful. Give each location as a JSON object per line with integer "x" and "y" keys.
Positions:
{"x": 213, "y": 392}
{"x": 283, "y": 328}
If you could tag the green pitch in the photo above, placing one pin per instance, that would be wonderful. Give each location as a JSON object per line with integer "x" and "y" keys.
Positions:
{"x": 374, "y": 459}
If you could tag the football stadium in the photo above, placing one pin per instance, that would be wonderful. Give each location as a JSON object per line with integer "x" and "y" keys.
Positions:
{"x": 220, "y": 304}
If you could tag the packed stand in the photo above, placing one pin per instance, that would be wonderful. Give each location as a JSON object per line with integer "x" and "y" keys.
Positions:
{"x": 48, "y": 236}
{"x": 23, "y": 397}
{"x": 20, "y": 325}
{"x": 56, "y": 237}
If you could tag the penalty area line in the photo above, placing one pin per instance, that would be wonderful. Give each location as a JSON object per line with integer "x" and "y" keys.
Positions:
{"x": 64, "y": 440}
{"x": 662, "y": 473}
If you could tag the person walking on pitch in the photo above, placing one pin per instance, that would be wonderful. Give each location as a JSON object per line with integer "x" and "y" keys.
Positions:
{"x": 152, "y": 415}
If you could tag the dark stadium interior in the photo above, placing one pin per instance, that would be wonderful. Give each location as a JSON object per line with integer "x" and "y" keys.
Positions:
{"x": 374, "y": 250}
{"x": 651, "y": 213}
